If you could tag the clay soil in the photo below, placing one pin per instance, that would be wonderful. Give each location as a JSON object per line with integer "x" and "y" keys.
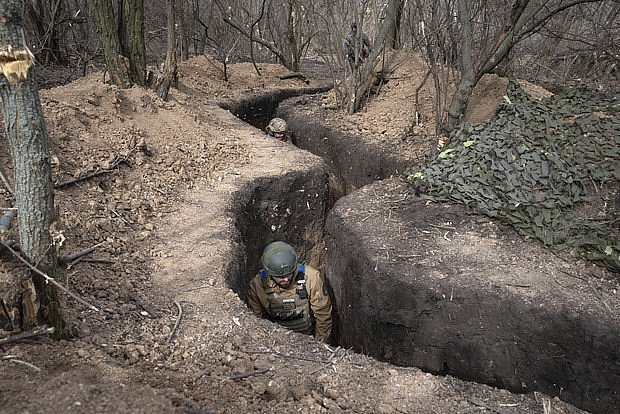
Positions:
{"x": 169, "y": 335}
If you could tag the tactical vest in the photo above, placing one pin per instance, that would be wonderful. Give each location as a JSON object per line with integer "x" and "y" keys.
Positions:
{"x": 292, "y": 312}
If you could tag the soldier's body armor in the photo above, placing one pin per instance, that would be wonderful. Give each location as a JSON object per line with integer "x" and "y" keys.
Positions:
{"x": 290, "y": 308}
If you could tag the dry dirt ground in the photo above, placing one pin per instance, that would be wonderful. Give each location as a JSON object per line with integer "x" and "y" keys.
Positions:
{"x": 169, "y": 335}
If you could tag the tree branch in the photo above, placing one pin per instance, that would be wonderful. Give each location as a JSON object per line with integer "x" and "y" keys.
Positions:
{"x": 49, "y": 279}
{"x": 269, "y": 45}
{"x": 117, "y": 161}
{"x": 39, "y": 330}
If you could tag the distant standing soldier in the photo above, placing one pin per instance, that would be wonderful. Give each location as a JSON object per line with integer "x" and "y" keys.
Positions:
{"x": 278, "y": 129}
{"x": 351, "y": 43}
{"x": 290, "y": 294}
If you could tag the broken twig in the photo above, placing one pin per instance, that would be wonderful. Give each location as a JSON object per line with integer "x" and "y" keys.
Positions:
{"x": 249, "y": 373}
{"x": 39, "y": 330}
{"x": 117, "y": 214}
{"x": 176, "y": 324}
{"x": 6, "y": 184}
{"x": 442, "y": 227}
{"x": 488, "y": 407}
{"x": 13, "y": 358}
{"x": 291, "y": 75}
{"x": 298, "y": 357}
{"x": 330, "y": 360}
{"x": 66, "y": 258}
{"x": 471, "y": 410}
{"x": 49, "y": 279}
{"x": 112, "y": 167}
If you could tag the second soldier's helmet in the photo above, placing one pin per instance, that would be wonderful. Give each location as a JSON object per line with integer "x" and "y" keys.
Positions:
{"x": 277, "y": 125}
{"x": 279, "y": 259}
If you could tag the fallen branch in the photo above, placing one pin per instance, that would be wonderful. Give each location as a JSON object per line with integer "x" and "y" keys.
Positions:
{"x": 471, "y": 410}
{"x": 330, "y": 361}
{"x": 49, "y": 279}
{"x": 176, "y": 324}
{"x": 39, "y": 330}
{"x": 249, "y": 373}
{"x": 519, "y": 286}
{"x": 86, "y": 260}
{"x": 66, "y": 258}
{"x": 6, "y": 184}
{"x": 5, "y": 220}
{"x": 117, "y": 161}
{"x": 96, "y": 260}
{"x": 488, "y": 407}
{"x": 13, "y": 358}
{"x": 442, "y": 227}
{"x": 278, "y": 354}
{"x": 121, "y": 217}
{"x": 291, "y": 75}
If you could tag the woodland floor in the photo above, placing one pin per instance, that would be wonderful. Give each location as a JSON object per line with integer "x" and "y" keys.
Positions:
{"x": 150, "y": 216}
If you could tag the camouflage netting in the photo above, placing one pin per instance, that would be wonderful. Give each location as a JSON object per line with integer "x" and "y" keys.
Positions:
{"x": 532, "y": 165}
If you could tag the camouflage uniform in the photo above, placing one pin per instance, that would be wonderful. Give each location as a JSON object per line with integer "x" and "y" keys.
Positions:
{"x": 351, "y": 42}
{"x": 303, "y": 307}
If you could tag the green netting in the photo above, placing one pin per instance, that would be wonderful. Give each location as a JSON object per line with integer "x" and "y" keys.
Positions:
{"x": 528, "y": 167}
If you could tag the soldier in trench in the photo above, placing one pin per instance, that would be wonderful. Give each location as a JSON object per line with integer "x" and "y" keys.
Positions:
{"x": 290, "y": 293}
{"x": 352, "y": 42}
{"x": 278, "y": 129}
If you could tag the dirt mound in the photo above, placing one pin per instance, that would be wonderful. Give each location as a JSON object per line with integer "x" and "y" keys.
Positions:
{"x": 171, "y": 336}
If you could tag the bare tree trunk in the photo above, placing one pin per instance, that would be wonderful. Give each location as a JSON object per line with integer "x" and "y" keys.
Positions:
{"x": 170, "y": 70}
{"x": 468, "y": 77}
{"x": 283, "y": 54}
{"x": 117, "y": 64}
{"x": 29, "y": 142}
{"x": 132, "y": 27}
{"x": 183, "y": 32}
{"x": 44, "y": 16}
{"x": 552, "y": 41}
{"x": 200, "y": 41}
{"x": 367, "y": 74}
{"x": 523, "y": 11}
{"x": 254, "y": 23}
{"x": 293, "y": 34}
{"x": 393, "y": 40}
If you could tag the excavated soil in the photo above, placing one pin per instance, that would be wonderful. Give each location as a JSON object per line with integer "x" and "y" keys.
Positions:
{"x": 179, "y": 228}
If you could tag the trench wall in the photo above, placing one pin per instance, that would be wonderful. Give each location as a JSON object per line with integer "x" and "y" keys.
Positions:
{"x": 470, "y": 302}
{"x": 290, "y": 207}
{"x": 467, "y": 320}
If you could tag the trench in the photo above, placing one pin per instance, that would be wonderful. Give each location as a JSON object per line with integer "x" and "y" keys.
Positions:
{"x": 407, "y": 322}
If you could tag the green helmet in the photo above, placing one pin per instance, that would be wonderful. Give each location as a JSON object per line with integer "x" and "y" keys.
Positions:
{"x": 279, "y": 259}
{"x": 277, "y": 125}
